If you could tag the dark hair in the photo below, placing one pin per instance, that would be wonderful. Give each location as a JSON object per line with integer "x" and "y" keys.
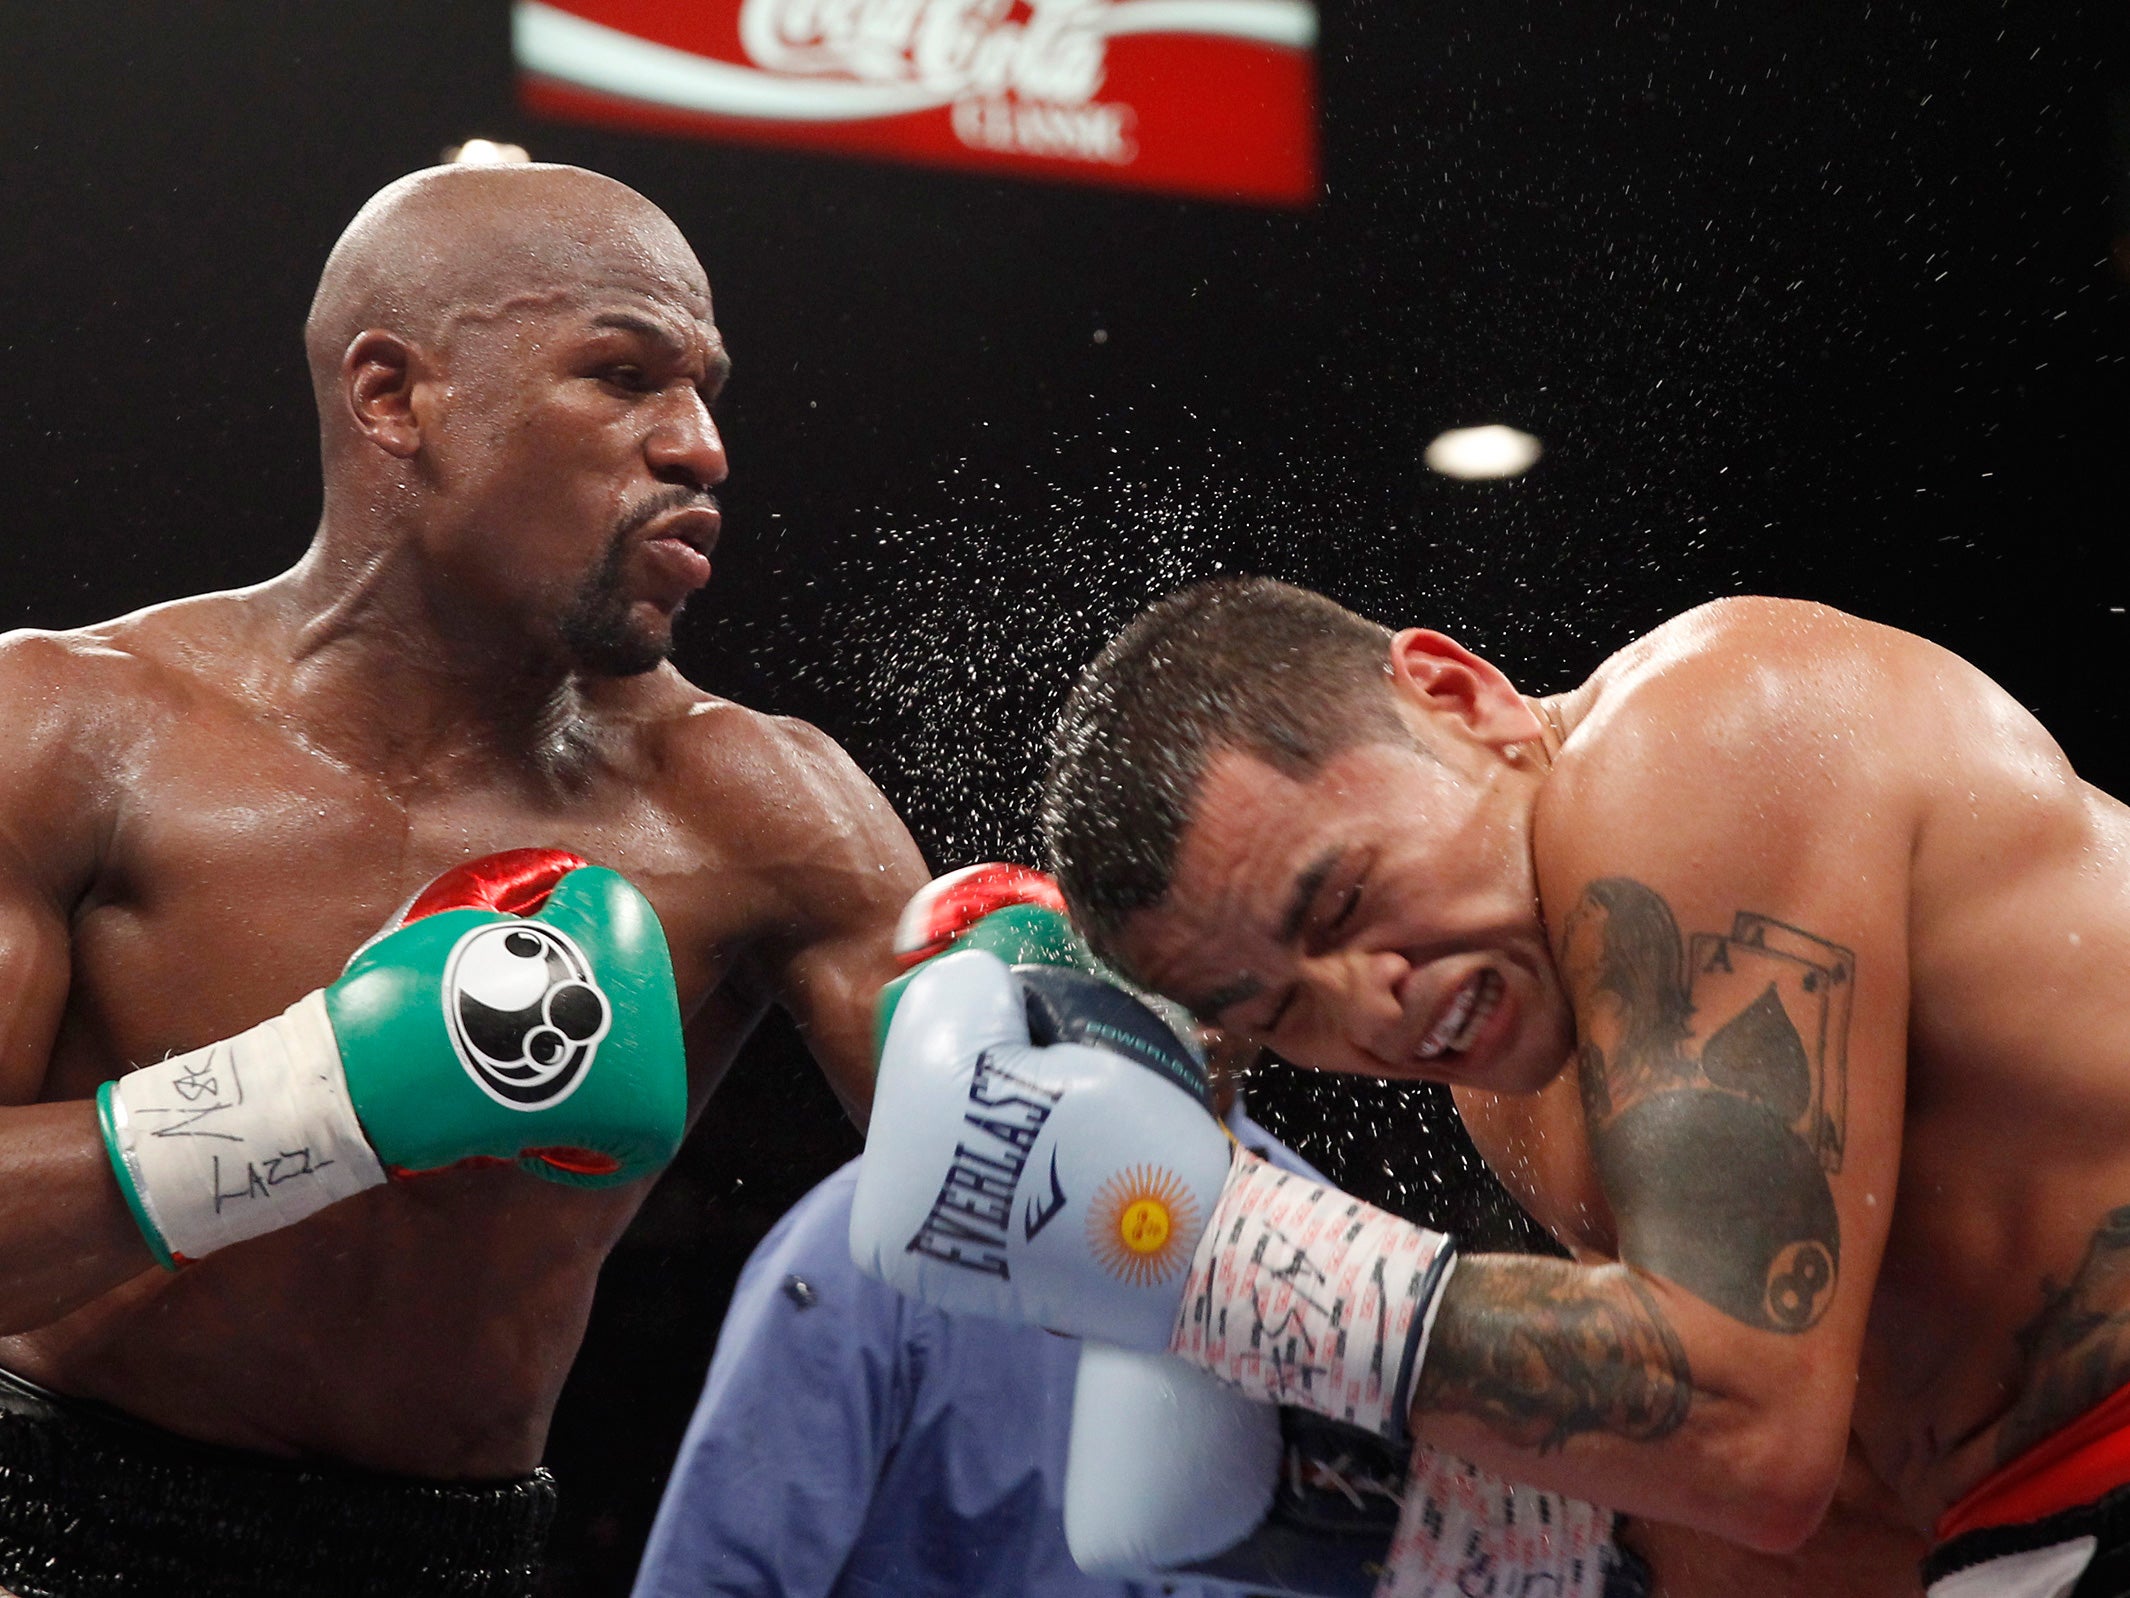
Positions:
{"x": 1244, "y": 663}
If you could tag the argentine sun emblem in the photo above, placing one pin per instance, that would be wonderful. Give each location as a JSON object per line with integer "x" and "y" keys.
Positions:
{"x": 1138, "y": 1221}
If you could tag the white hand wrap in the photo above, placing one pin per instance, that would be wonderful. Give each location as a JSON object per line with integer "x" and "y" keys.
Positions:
{"x": 1304, "y": 1295}
{"x": 1462, "y": 1531}
{"x": 241, "y": 1137}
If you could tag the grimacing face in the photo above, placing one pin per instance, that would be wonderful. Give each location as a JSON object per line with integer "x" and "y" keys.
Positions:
{"x": 1379, "y": 917}
{"x": 576, "y": 454}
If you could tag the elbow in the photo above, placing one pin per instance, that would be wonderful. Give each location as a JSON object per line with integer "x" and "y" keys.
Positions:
{"x": 1784, "y": 1474}
{"x": 1779, "y": 1523}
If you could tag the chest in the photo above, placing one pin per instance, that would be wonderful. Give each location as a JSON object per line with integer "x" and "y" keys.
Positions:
{"x": 244, "y": 867}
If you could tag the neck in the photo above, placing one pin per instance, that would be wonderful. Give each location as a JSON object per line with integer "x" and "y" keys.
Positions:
{"x": 380, "y": 659}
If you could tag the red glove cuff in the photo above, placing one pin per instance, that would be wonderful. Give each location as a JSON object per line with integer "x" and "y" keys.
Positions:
{"x": 946, "y": 907}
{"x": 515, "y": 882}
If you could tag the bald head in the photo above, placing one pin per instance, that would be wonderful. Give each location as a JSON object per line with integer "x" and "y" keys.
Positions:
{"x": 453, "y": 243}
{"x": 515, "y": 367}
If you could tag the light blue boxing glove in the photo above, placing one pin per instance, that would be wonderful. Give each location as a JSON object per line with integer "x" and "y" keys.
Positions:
{"x": 1041, "y": 1149}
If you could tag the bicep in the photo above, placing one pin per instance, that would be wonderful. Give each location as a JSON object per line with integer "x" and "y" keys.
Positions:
{"x": 1740, "y": 987}
{"x": 1749, "y": 1180}
{"x": 56, "y": 797}
{"x": 35, "y": 965}
{"x": 1537, "y": 1147}
{"x": 829, "y": 987}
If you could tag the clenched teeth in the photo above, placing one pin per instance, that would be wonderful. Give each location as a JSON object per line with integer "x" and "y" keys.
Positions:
{"x": 1462, "y": 1018}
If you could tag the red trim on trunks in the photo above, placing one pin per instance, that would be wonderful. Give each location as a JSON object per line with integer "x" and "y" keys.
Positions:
{"x": 2087, "y": 1459}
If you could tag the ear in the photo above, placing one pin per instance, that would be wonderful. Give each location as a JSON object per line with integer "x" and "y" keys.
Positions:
{"x": 1441, "y": 676}
{"x": 378, "y": 377}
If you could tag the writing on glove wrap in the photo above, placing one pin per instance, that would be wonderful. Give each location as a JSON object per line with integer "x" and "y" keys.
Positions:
{"x": 1044, "y": 1150}
{"x": 523, "y": 1010}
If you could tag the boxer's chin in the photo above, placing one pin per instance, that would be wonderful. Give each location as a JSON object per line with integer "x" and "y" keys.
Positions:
{"x": 629, "y": 652}
{"x": 607, "y": 636}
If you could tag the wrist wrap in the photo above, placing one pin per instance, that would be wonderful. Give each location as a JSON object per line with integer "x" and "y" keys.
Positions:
{"x": 1304, "y": 1295}
{"x": 1462, "y": 1531}
{"x": 242, "y": 1137}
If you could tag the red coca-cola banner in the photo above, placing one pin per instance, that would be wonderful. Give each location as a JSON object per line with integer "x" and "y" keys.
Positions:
{"x": 1202, "y": 97}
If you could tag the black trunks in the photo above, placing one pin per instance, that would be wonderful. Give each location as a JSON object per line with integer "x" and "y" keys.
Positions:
{"x": 2083, "y": 1552}
{"x": 94, "y": 1503}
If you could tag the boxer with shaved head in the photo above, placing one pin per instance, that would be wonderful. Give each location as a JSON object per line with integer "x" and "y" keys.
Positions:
{"x": 296, "y": 1249}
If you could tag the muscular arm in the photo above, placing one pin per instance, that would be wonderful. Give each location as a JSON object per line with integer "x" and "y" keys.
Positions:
{"x": 1740, "y": 991}
{"x": 842, "y": 885}
{"x": 65, "y": 1234}
{"x": 1706, "y": 1378}
{"x": 1538, "y": 1145}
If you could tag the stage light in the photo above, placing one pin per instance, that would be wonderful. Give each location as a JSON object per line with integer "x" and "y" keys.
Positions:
{"x": 486, "y": 152}
{"x": 1481, "y": 452}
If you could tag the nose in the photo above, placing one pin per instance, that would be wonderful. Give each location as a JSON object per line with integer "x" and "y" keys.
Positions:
{"x": 1354, "y": 1005}
{"x": 685, "y": 446}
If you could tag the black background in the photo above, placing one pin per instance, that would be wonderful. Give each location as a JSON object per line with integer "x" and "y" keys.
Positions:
{"x": 1816, "y": 304}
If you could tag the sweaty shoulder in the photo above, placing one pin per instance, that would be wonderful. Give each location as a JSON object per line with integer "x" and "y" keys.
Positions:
{"x": 1765, "y": 694}
{"x": 82, "y": 707}
{"x": 75, "y": 705}
{"x": 1763, "y": 732}
{"x": 151, "y": 660}
{"x": 1750, "y": 668}
{"x": 769, "y": 775}
{"x": 1799, "y": 691}
{"x": 78, "y": 684}
{"x": 793, "y": 806}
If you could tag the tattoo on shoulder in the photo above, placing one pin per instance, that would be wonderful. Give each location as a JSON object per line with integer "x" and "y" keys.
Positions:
{"x": 2077, "y": 1350}
{"x": 1541, "y": 1351}
{"x": 1714, "y": 1073}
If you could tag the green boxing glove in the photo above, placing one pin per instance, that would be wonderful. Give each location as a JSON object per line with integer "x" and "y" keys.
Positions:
{"x": 522, "y": 1009}
{"x": 1012, "y": 911}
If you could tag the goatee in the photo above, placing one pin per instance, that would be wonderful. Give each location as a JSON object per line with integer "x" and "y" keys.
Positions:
{"x": 597, "y": 627}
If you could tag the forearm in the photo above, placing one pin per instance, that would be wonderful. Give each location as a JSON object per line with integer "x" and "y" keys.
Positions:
{"x": 1604, "y": 1383}
{"x": 66, "y": 1236}
{"x": 1611, "y": 1385}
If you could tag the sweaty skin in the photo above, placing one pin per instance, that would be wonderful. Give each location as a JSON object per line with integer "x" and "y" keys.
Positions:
{"x": 1835, "y": 938}
{"x": 1864, "y": 1548}
{"x": 207, "y": 806}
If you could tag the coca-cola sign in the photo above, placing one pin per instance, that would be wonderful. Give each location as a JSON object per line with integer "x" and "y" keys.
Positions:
{"x": 1205, "y": 97}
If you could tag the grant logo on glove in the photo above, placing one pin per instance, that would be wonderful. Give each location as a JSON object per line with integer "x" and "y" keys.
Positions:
{"x": 525, "y": 1013}
{"x": 514, "y": 973}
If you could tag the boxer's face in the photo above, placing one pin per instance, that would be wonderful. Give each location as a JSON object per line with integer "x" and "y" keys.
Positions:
{"x": 1379, "y": 917}
{"x": 575, "y": 453}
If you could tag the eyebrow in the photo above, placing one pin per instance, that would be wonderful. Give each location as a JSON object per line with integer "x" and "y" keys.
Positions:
{"x": 1306, "y": 887}
{"x": 633, "y": 322}
{"x": 1210, "y": 1007}
{"x": 720, "y": 365}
